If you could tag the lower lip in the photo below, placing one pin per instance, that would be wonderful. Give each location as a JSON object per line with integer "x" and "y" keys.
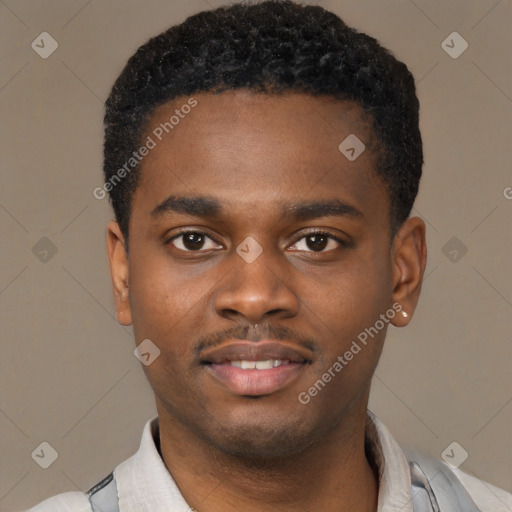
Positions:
{"x": 255, "y": 382}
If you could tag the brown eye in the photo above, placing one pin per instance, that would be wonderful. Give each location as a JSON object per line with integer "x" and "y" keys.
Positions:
{"x": 317, "y": 242}
{"x": 193, "y": 241}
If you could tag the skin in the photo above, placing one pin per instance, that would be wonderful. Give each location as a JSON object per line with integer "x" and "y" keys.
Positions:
{"x": 254, "y": 154}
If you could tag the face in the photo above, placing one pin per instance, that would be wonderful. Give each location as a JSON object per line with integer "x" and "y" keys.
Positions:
{"x": 258, "y": 254}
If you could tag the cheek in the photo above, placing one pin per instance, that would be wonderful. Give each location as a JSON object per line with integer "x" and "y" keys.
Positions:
{"x": 358, "y": 290}
{"x": 350, "y": 346}
{"x": 343, "y": 307}
{"x": 165, "y": 300}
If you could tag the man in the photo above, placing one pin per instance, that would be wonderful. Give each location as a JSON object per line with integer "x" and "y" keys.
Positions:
{"x": 262, "y": 162}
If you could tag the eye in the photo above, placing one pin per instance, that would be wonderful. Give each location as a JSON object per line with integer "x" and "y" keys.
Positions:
{"x": 193, "y": 241}
{"x": 317, "y": 241}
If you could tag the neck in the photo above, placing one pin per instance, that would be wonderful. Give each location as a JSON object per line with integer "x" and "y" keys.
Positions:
{"x": 333, "y": 474}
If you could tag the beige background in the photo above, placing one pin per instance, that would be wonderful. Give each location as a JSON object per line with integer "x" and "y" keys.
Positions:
{"x": 68, "y": 374}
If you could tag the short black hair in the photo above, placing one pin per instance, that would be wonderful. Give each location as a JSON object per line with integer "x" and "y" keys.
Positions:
{"x": 273, "y": 46}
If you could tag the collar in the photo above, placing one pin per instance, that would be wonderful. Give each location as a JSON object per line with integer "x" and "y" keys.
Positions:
{"x": 145, "y": 485}
{"x": 395, "y": 492}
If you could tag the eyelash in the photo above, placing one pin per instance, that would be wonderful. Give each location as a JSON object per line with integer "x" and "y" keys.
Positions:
{"x": 341, "y": 242}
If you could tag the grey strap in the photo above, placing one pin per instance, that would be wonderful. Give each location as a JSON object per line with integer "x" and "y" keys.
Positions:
{"x": 424, "y": 499}
{"x": 433, "y": 480}
{"x": 103, "y": 496}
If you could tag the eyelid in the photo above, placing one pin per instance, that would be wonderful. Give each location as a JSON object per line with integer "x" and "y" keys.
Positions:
{"x": 187, "y": 231}
{"x": 320, "y": 231}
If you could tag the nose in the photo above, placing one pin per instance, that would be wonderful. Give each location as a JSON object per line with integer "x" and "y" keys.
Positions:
{"x": 256, "y": 290}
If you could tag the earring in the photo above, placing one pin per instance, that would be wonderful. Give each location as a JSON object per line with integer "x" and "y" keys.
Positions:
{"x": 404, "y": 314}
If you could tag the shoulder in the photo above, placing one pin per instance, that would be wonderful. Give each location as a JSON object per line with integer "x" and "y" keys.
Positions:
{"x": 65, "y": 502}
{"x": 487, "y": 497}
{"x": 447, "y": 482}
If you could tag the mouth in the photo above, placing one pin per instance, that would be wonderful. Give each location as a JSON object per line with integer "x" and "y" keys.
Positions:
{"x": 247, "y": 368}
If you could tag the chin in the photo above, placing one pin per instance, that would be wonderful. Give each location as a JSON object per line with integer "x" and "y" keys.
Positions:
{"x": 256, "y": 444}
{"x": 262, "y": 441}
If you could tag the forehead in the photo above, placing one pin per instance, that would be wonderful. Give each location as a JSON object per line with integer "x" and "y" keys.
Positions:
{"x": 257, "y": 149}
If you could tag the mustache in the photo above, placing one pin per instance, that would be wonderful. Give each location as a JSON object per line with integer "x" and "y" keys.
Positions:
{"x": 257, "y": 332}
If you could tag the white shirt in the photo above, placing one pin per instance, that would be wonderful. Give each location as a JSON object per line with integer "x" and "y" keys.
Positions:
{"x": 145, "y": 485}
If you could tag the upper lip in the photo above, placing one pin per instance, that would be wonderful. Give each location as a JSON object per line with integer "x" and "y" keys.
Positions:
{"x": 256, "y": 351}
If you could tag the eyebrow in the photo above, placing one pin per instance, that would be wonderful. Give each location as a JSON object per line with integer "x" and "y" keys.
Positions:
{"x": 204, "y": 207}
{"x": 316, "y": 209}
{"x": 196, "y": 206}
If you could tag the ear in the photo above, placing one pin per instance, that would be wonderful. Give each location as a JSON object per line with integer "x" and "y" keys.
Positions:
{"x": 409, "y": 256}
{"x": 118, "y": 260}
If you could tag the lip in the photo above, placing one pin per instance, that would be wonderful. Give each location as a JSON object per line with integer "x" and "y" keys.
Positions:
{"x": 217, "y": 363}
{"x": 256, "y": 351}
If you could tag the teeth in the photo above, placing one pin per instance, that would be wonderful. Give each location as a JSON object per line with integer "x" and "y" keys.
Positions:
{"x": 258, "y": 365}
{"x": 265, "y": 365}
